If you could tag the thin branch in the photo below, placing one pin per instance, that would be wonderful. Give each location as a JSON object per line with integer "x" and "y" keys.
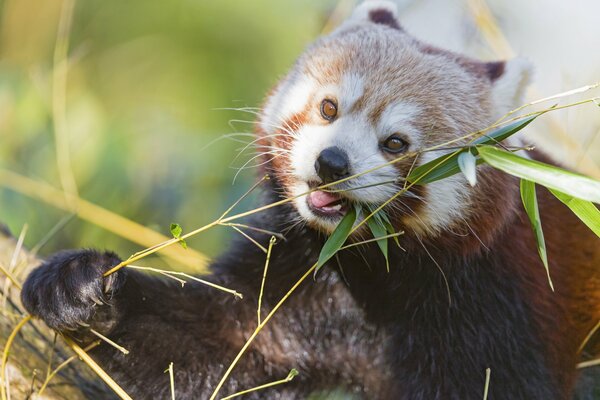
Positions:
{"x": 176, "y": 273}
{"x": 287, "y": 379}
{"x": 250, "y": 238}
{"x": 171, "y": 380}
{"x": 59, "y": 100}
{"x": 588, "y": 364}
{"x": 97, "y": 369}
{"x": 588, "y": 337}
{"x": 262, "y": 284}
{"x": 112, "y": 343}
{"x": 486, "y": 388}
{"x": 258, "y": 329}
{"x": 9, "y": 342}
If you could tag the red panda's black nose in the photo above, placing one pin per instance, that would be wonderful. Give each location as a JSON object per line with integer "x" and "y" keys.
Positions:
{"x": 332, "y": 164}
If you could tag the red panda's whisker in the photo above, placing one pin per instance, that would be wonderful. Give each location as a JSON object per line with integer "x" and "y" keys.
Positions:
{"x": 254, "y": 143}
{"x": 246, "y": 166}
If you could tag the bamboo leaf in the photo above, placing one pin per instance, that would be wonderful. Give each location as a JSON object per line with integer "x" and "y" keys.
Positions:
{"x": 389, "y": 227}
{"x": 531, "y": 207}
{"x": 447, "y": 165}
{"x": 434, "y": 170}
{"x": 337, "y": 238}
{"x": 467, "y": 163}
{"x": 586, "y": 211}
{"x": 378, "y": 230}
{"x": 498, "y": 135}
{"x": 176, "y": 231}
{"x": 564, "y": 181}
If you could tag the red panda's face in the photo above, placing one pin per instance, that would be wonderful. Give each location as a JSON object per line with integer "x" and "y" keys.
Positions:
{"x": 362, "y": 97}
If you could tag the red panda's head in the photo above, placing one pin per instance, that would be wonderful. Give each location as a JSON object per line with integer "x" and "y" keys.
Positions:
{"x": 365, "y": 95}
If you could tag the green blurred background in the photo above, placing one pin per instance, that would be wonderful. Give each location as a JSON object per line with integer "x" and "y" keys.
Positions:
{"x": 146, "y": 80}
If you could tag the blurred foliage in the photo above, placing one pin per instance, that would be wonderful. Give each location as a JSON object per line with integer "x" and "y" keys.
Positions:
{"x": 145, "y": 82}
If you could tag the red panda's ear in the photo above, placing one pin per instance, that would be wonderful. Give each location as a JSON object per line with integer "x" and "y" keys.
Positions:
{"x": 509, "y": 81}
{"x": 378, "y": 12}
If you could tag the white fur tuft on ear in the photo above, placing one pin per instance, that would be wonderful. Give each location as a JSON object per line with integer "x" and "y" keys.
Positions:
{"x": 377, "y": 11}
{"x": 509, "y": 88}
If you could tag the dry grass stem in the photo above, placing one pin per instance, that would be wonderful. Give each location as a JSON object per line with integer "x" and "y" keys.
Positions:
{"x": 171, "y": 380}
{"x": 101, "y": 217}
{"x": 252, "y": 228}
{"x": 59, "y": 101}
{"x": 250, "y": 238}
{"x": 258, "y": 329}
{"x": 588, "y": 364}
{"x": 391, "y": 235}
{"x": 287, "y": 379}
{"x": 486, "y": 388}
{"x": 112, "y": 343}
{"x": 9, "y": 342}
{"x": 174, "y": 275}
{"x": 97, "y": 369}
{"x": 588, "y": 337}
{"x": 264, "y": 278}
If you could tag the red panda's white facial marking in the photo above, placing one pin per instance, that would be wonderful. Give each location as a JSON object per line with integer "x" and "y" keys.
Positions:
{"x": 365, "y": 95}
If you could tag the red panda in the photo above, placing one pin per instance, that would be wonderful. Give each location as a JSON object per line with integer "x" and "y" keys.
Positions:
{"x": 466, "y": 293}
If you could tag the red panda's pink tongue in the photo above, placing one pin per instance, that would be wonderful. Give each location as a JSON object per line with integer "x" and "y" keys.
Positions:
{"x": 321, "y": 199}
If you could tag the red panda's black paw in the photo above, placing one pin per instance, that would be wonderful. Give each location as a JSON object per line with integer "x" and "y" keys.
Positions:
{"x": 67, "y": 288}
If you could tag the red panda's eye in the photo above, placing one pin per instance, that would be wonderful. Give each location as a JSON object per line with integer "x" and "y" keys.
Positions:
{"x": 328, "y": 110}
{"x": 395, "y": 144}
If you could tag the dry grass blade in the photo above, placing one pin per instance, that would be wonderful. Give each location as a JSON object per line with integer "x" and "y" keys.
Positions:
{"x": 96, "y": 368}
{"x": 59, "y": 101}
{"x": 588, "y": 364}
{"x": 171, "y": 380}
{"x": 99, "y": 216}
{"x": 10, "y": 277}
{"x": 9, "y": 341}
{"x": 13, "y": 262}
{"x": 287, "y": 379}
{"x": 250, "y": 238}
{"x": 174, "y": 274}
{"x": 391, "y": 235}
{"x": 264, "y": 278}
{"x": 486, "y": 388}
{"x": 112, "y": 343}
{"x": 588, "y": 337}
{"x": 258, "y": 329}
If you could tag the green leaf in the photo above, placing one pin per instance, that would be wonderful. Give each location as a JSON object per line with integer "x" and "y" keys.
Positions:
{"x": 176, "y": 232}
{"x": 564, "y": 181}
{"x": 388, "y": 226}
{"x": 337, "y": 238}
{"x": 447, "y": 165}
{"x": 468, "y": 166}
{"x": 434, "y": 170}
{"x": 498, "y": 135}
{"x": 586, "y": 211}
{"x": 378, "y": 230}
{"x": 531, "y": 207}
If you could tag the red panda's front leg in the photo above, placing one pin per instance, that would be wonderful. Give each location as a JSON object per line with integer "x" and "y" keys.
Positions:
{"x": 319, "y": 331}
